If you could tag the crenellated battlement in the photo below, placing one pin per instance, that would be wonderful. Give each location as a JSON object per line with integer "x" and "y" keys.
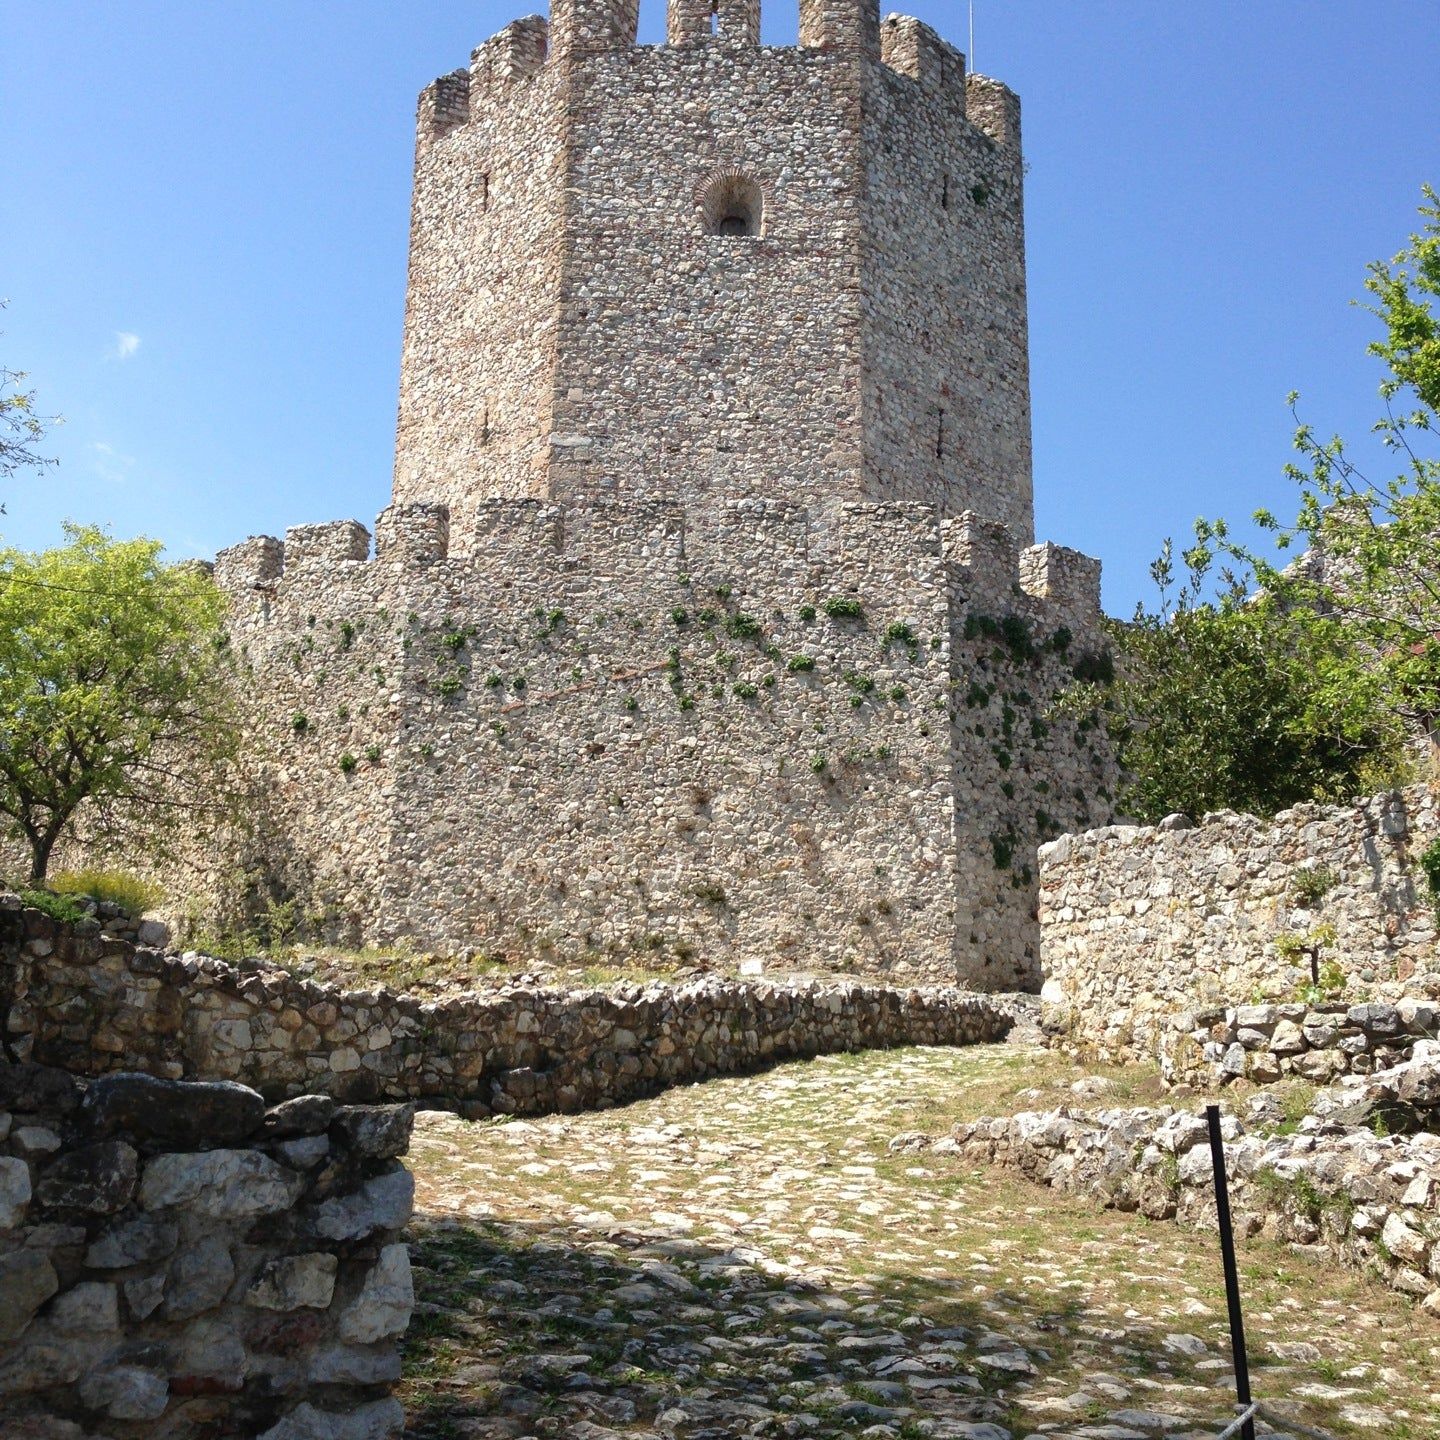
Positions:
{"x": 751, "y": 543}
{"x": 910, "y": 47}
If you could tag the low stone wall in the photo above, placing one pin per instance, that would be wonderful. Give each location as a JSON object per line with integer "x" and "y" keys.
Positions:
{"x": 1318, "y": 1043}
{"x": 176, "y": 1260}
{"x": 1373, "y": 1201}
{"x": 93, "y": 1004}
{"x": 1140, "y": 923}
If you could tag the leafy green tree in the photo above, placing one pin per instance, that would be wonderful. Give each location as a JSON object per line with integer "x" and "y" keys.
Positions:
{"x": 113, "y": 692}
{"x": 1236, "y": 703}
{"x": 1302, "y": 680}
{"x": 1371, "y": 548}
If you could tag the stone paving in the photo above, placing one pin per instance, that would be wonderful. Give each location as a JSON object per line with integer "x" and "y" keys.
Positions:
{"x": 755, "y": 1257}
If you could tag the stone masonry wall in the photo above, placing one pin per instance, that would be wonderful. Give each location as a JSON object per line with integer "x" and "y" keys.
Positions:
{"x": 177, "y": 1261}
{"x": 1264, "y": 1043}
{"x": 576, "y": 327}
{"x": 1142, "y": 924}
{"x": 1329, "y": 1180}
{"x": 823, "y": 743}
{"x": 93, "y": 1004}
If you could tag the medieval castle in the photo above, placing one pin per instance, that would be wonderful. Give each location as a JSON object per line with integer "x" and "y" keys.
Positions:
{"x": 706, "y": 618}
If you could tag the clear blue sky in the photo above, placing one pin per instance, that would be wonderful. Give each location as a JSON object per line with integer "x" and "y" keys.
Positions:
{"x": 203, "y": 245}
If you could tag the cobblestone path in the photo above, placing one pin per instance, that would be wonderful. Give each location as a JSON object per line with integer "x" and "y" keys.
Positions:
{"x": 750, "y": 1257}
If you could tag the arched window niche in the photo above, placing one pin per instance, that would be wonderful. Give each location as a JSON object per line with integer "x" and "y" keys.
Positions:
{"x": 732, "y": 206}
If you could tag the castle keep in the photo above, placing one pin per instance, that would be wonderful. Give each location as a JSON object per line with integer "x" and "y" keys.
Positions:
{"x": 706, "y": 619}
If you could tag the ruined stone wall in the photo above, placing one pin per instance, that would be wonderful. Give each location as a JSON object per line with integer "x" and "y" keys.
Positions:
{"x": 1140, "y": 923}
{"x": 628, "y": 729}
{"x": 95, "y": 1004}
{"x": 576, "y": 327}
{"x": 1298, "y": 1040}
{"x": 1327, "y": 1181}
{"x": 176, "y": 1260}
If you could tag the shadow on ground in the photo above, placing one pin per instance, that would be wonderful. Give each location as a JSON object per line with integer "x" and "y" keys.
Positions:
{"x": 546, "y": 1331}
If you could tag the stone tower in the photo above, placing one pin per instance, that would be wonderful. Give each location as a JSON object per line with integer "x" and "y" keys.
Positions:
{"x": 711, "y": 270}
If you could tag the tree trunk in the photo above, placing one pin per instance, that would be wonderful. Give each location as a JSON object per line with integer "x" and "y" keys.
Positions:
{"x": 40, "y": 848}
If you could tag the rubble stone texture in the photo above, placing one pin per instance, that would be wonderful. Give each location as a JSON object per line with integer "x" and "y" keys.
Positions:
{"x": 147, "y": 1289}
{"x": 1266, "y": 1043}
{"x": 706, "y": 618}
{"x": 1146, "y": 927}
{"x": 1372, "y": 1200}
{"x": 93, "y": 1004}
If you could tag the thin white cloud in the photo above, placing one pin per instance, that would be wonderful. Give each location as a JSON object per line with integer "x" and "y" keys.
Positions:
{"x": 109, "y": 464}
{"x": 126, "y": 344}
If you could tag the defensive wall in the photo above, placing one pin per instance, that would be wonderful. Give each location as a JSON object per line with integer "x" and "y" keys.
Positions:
{"x": 744, "y": 731}
{"x": 717, "y": 269}
{"x": 1149, "y": 932}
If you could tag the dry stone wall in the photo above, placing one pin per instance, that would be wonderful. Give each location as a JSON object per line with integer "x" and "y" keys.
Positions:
{"x": 750, "y": 733}
{"x": 1372, "y": 1200}
{"x": 715, "y": 269}
{"x": 1142, "y": 924}
{"x": 176, "y": 1260}
{"x": 93, "y": 1004}
{"x": 1265, "y": 1043}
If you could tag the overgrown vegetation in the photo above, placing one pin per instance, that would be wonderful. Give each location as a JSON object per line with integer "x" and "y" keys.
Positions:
{"x": 133, "y": 894}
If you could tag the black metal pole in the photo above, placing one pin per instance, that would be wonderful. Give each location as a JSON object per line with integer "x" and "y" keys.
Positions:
{"x": 1232, "y": 1278}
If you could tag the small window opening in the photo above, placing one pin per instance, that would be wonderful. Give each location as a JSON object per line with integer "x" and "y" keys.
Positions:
{"x": 485, "y": 424}
{"x": 940, "y": 437}
{"x": 733, "y": 205}
{"x": 945, "y": 193}
{"x": 485, "y": 192}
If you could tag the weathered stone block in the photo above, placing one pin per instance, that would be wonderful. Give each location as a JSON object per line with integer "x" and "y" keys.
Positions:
{"x": 183, "y": 1114}
{"x": 224, "y": 1184}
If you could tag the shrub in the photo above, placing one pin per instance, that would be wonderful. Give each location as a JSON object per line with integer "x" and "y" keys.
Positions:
{"x": 800, "y": 663}
{"x": 1095, "y": 667}
{"x": 1430, "y": 864}
{"x": 745, "y": 690}
{"x": 898, "y": 632}
{"x": 299, "y": 723}
{"x": 348, "y": 763}
{"x": 807, "y": 613}
{"x": 844, "y": 607}
{"x": 451, "y": 685}
{"x": 454, "y": 640}
{"x": 742, "y": 627}
{"x": 57, "y": 907}
{"x": 1310, "y": 887}
{"x": 372, "y": 753}
{"x": 131, "y": 893}
{"x": 818, "y": 763}
{"x": 680, "y": 615}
